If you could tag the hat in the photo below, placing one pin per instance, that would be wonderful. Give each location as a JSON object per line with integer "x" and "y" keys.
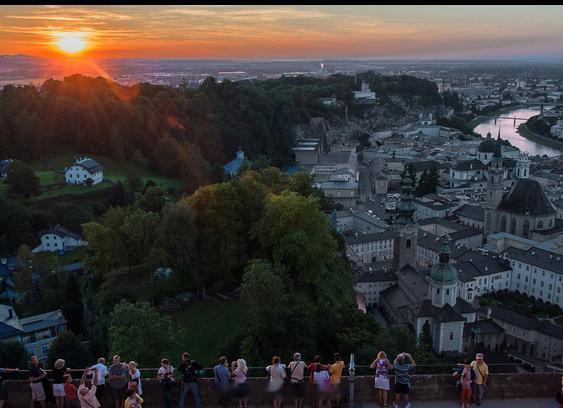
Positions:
{"x": 479, "y": 356}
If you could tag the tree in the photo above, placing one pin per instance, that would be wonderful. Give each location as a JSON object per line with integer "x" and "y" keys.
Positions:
{"x": 153, "y": 199}
{"x": 22, "y": 180}
{"x": 68, "y": 347}
{"x": 176, "y": 235}
{"x": 426, "y": 335}
{"x": 13, "y": 354}
{"x": 73, "y": 307}
{"x": 135, "y": 182}
{"x": 139, "y": 331}
{"x": 294, "y": 232}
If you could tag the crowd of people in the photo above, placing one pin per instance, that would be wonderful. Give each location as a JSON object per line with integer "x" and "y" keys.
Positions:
{"x": 316, "y": 382}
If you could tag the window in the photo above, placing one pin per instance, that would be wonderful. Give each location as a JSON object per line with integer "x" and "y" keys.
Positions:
{"x": 44, "y": 350}
{"x": 408, "y": 243}
{"x": 451, "y": 335}
{"x": 540, "y": 224}
{"x": 513, "y": 225}
{"x": 526, "y": 228}
{"x": 503, "y": 223}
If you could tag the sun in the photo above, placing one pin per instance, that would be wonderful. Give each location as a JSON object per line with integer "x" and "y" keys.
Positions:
{"x": 71, "y": 42}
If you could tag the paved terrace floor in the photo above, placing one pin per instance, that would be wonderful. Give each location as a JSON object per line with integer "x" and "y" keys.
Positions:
{"x": 493, "y": 403}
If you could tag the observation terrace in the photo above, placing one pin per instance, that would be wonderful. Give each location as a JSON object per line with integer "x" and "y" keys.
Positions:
{"x": 509, "y": 385}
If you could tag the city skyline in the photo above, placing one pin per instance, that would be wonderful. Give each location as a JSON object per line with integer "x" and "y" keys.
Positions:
{"x": 283, "y": 32}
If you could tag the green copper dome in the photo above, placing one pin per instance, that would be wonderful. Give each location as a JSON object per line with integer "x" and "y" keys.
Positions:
{"x": 444, "y": 273}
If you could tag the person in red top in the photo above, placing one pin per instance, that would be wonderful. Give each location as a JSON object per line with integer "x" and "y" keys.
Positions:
{"x": 70, "y": 392}
{"x": 313, "y": 366}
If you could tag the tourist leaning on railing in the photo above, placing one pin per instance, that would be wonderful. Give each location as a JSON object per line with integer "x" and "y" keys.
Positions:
{"x": 166, "y": 376}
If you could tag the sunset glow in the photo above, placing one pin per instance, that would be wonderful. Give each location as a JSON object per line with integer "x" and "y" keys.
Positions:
{"x": 282, "y": 31}
{"x": 71, "y": 42}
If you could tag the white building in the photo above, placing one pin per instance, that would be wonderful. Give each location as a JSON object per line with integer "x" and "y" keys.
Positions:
{"x": 365, "y": 94}
{"x": 557, "y": 130}
{"x": 36, "y": 333}
{"x": 372, "y": 280}
{"x": 372, "y": 247}
{"x": 59, "y": 239}
{"x": 83, "y": 170}
{"x": 538, "y": 273}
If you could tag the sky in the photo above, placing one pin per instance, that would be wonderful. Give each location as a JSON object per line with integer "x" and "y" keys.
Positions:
{"x": 285, "y": 31}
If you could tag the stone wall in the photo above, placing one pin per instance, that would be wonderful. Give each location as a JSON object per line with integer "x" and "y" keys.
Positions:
{"x": 424, "y": 387}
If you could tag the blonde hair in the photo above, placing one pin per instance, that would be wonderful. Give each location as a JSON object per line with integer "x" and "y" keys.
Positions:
{"x": 242, "y": 365}
{"x": 60, "y": 363}
{"x": 132, "y": 363}
{"x": 381, "y": 355}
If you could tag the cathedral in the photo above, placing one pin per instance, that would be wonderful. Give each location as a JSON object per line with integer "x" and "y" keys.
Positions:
{"x": 521, "y": 211}
{"x": 425, "y": 298}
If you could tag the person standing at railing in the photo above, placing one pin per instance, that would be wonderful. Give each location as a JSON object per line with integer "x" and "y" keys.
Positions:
{"x": 102, "y": 371}
{"x": 335, "y": 371}
{"x": 467, "y": 376}
{"x": 71, "y": 393}
{"x": 87, "y": 396}
{"x": 313, "y": 389}
{"x": 118, "y": 380}
{"x": 322, "y": 384}
{"x": 277, "y": 376}
{"x": 559, "y": 395}
{"x": 134, "y": 375}
{"x": 165, "y": 375}
{"x": 189, "y": 369}
{"x": 382, "y": 365}
{"x": 36, "y": 376}
{"x": 482, "y": 373}
{"x": 241, "y": 384}
{"x": 58, "y": 373}
{"x": 297, "y": 380}
{"x": 221, "y": 376}
{"x": 3, "y": 390}
{"x": 403, "y": 365}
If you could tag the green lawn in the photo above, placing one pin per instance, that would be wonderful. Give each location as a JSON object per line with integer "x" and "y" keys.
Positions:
{"x": 202, "y": 329}
{"x": 49, "y": 170}
{"x": 67, "y": 258}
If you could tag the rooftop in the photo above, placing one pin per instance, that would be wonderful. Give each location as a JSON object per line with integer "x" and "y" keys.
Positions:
{"x": 541, "y": 258}
{"x": 526, "y": 197}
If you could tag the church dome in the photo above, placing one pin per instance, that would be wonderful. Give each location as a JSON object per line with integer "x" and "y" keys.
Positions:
{"x": 444, "y": 273}
{"x": 488, "y": 145}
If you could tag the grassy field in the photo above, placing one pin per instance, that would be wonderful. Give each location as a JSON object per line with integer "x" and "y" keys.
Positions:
{"x": 50, "y": 168}
{"x": 202, "y": 329}
{"x": 526, "y": 132}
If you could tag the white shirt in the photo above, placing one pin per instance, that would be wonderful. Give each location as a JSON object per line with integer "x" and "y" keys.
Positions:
{"x": 136, "y": 376}
{"x": 102, "y": 372}
{"x": 162, "y": 371}
{"x": 277, "y": 374}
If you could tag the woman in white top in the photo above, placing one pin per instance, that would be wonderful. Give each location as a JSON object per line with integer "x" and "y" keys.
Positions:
{"x": 322, "y": 381}
{"x": 277, "y": 376}
{"x": 241, "y": 385}
{"x": 135, "y": 376}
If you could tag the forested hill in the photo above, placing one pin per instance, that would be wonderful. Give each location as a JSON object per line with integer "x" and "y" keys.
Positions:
{"x": 178, "y": 132}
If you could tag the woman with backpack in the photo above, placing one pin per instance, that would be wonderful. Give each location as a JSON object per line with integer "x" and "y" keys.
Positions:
{"x": 382, "y": 366}
{"x": 467, "y": 376}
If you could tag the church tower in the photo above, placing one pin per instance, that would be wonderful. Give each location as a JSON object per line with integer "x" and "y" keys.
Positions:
{"x": 406, "y": 232}
{"x": 494, "y": 189}
{"x": 523, "y": 166}
{"x": 443, "y": 279}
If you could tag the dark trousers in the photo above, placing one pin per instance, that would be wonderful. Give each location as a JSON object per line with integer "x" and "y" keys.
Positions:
{"x": 100, "y": 393}
{"x": 167, "y": 395}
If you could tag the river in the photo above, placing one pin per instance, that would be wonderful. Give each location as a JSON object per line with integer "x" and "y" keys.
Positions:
{"x": 510, "y": 131}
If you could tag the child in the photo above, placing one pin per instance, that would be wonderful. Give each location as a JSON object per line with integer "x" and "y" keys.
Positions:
{"x": 70, "y": 392}
{"x": 467, "y": 377}
{"x": 132, "y": 399}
